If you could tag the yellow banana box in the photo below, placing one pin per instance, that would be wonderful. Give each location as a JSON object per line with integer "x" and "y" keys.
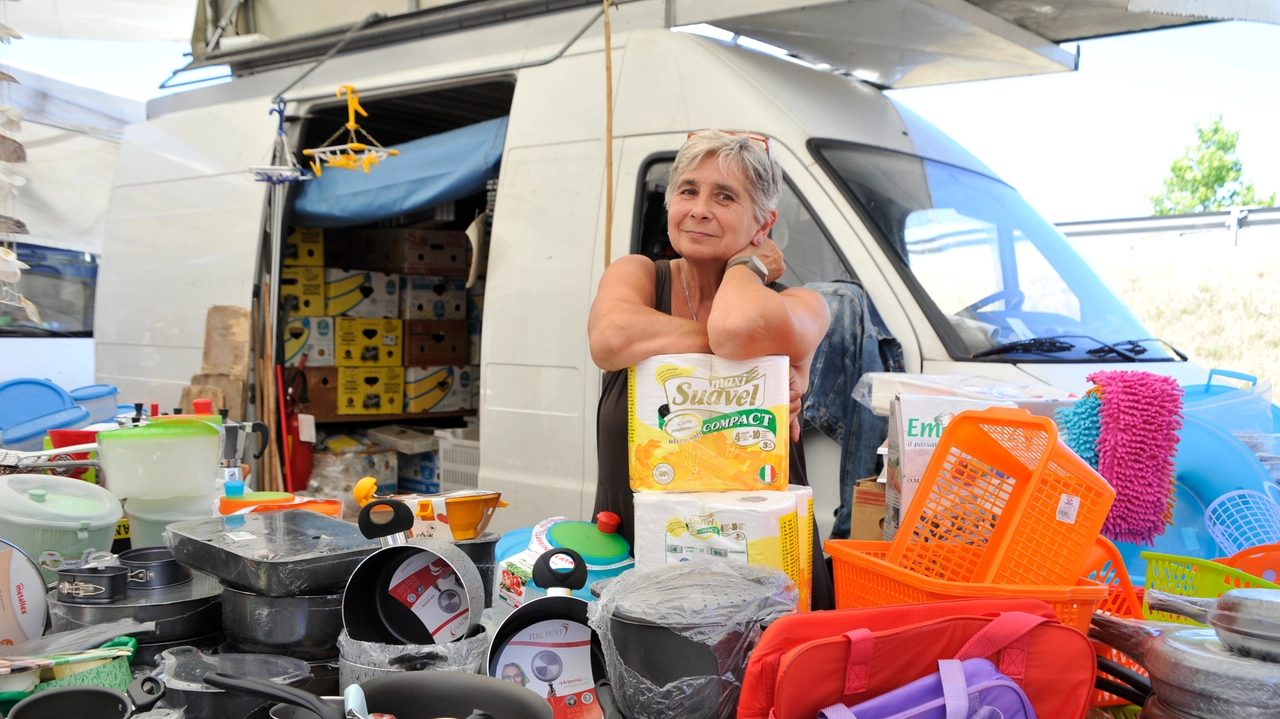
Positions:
{"x": 304, "y": 247}
{"x": 368, "y": 343}
{"x": 437, "y": 389}
{"x": 701, "y": 423}
{"x": 302, "y": 291}
{"x": 358, "y": 293}
{"x": 310, "y": 336}
{"x": 370, "y": 390}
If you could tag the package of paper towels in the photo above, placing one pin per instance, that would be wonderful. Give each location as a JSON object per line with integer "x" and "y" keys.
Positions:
{"x": 742, "y": 527}
{"x": 805, "y": 529}
{"x": 699, "y": 423}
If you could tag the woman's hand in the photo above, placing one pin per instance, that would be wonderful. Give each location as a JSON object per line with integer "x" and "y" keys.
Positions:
{"x": 797, "y": 404}
{"x": 769, "y": 254}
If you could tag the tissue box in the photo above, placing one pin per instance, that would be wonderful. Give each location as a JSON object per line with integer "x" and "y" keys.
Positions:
{"x": 304, "y": 247}
{"x": 370, "y": 390}
{"x": 355, "y": 293}
{"x": 437, "y": 389}
{"x": 433, "y": 298}
{"x": 368, "y": 343}
{"x": 310, "y": 336}
{"x": 430, "y": 343}
{"x": 702, "y": 423}
{"x": 303, "y": 287}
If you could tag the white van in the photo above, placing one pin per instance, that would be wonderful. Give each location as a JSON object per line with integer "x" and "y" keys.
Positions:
{"x": 954, "y": 260}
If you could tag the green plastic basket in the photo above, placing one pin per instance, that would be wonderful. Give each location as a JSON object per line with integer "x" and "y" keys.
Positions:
{"x": 1188, "y": 577}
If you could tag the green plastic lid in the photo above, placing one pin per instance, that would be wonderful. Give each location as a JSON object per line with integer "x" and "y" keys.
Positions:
{"x": 585, "y": 538}
{"x": 56, "y": 502}
{"x": 168, "y": 429}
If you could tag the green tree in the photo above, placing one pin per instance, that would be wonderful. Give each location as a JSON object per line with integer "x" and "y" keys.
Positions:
{"x": 1207, "y": 177}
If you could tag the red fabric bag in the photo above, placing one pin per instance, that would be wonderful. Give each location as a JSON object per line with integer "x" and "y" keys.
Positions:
{"x": 1054, "y": 664}
{"x": 796, "y": 630}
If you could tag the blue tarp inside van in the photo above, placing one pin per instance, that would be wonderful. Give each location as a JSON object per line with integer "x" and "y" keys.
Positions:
{"x": 427, "y": 172}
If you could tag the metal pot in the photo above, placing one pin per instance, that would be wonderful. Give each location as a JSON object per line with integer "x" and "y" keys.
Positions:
{"x": 153, "y": 568}
{"x": 1247, "y": 621}
{"x": 304, "y": 627}
{"x": 87, "y": 701}
{"x": 351, "y": 673}
{"x": 481, "y": 551}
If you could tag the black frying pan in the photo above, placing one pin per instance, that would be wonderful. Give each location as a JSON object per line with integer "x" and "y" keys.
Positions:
{"x": 87, "y": 701}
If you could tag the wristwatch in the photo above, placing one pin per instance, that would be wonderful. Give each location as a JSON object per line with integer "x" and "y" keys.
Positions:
{"x": 754, "y": 264}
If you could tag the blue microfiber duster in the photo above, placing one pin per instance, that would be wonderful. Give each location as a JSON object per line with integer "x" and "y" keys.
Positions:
{"x": 1080, "y": 426}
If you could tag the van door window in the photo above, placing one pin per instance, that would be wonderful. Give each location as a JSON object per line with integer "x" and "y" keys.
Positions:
{"x": 61, "y": 284}
{"x": 809, "y": 252}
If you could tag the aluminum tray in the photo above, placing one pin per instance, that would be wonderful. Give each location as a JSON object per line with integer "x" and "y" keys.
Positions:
{"x": 275, "y": 554}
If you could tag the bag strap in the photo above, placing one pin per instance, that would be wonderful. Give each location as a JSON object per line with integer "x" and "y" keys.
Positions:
{"x": 836, "y": 711}
{"x": 1008, "y": 635}
{"x": 955, "y": 688}
{"x": 857, "y": 671}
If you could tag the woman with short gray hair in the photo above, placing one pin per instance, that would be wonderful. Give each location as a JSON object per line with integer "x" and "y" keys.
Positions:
{"x": 719, "y": 297}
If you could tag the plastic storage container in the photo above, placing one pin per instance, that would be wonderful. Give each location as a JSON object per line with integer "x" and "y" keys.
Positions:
{"x": 1002, "y": 501}
{"x": 149, "y": 517}
{"x": 29, "y": 436}
{"x": 174, "y": 458}
{"x": 864, "y": 579}
{"x": 1245, "y": 413}
{"x": 24, "y": 399}
{"x": 1187, "y": 577}
{"x": 56, "y": 518}
{"x": 99, "y": 399}
{"x": 459, "y": 458}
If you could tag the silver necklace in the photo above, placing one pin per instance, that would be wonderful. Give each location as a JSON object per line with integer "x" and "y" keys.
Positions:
{"x": 687, "y": 300}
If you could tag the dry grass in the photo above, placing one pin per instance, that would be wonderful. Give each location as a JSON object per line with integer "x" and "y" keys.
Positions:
{"x": 1215, "y": 301}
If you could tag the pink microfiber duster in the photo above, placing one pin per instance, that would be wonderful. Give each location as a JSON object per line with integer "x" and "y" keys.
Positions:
{"x": 1137, "y": 444}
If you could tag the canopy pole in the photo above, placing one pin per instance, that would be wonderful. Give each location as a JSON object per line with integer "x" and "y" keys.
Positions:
{"x": 608, "y": 138}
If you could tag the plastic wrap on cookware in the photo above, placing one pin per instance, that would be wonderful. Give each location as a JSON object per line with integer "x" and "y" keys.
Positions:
{"x": 465, "y": 655}
{"x": 1192, "y": 673}
{"x": 78, "y": 639}
{"x": 275, "y": 554}
{"x": 162, "y": 714}
{"x": 721, "y": 606}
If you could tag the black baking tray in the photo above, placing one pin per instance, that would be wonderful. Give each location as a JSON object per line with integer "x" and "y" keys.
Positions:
{"x": 275, "y": 554}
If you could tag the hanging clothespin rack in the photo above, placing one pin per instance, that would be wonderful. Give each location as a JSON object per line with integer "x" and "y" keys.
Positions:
{"x": 354, "y": 154}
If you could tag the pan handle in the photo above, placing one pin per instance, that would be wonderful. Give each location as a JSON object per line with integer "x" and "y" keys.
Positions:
{"x": 376, "y": 523}
{"x": 144, "y": 693}
{"x": 546, "y": 577}
{"x": 1194, "y": 608}
{"x": 262, "y": 431}
{"x": 274, "y": 692}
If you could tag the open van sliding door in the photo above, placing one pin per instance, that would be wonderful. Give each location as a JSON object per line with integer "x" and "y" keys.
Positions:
{"x": 183, "y": 234}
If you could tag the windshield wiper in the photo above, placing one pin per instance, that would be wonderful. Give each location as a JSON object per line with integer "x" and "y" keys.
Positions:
{"x": 1035, "y": 345}
{"x": 1134, "y": 347}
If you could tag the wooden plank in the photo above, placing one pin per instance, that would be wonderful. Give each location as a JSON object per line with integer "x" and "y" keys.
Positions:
{"x": 233, "y": 390}
{"x": 226, "y": 341}
{"x": 193, "y": 392}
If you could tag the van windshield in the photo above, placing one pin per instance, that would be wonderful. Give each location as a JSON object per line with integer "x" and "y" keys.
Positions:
{"x": 996, "y": 279}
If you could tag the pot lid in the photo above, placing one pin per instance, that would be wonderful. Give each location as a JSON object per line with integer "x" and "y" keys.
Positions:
{"x": 166, "y": 429}
{"x": 595, "y": 546}
{"x": 22, "y": 399}
{"x": 184, "y": 668}
{"x": 72, "y": 417}
{"x": 93, "y": 391}
{"x": 57, "y": 502}
{"x": 1205, "y": 673}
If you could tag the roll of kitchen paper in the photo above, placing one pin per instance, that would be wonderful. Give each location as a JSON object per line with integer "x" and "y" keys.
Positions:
{"x": 805, "y": 529}
{"x": 701, "y": 423}
{"x": 743, "y": 527}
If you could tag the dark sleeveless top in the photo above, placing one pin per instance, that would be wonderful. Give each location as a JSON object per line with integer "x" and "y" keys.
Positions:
{"x": 613, "y": 483}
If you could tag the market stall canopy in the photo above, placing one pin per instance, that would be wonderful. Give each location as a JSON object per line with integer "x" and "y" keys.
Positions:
{"x": 892, "y": 43}
{"x": 104, "y": 19}
{"x": 427, "y": 172}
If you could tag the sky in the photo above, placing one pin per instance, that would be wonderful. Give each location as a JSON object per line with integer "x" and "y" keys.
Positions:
{"x": 1079, "y": 145}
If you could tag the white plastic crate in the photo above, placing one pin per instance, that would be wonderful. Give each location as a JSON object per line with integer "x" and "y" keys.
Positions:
{"x": 459, "y": 458}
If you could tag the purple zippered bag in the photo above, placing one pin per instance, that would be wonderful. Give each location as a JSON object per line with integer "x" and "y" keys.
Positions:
{"x": 969, "y": 689}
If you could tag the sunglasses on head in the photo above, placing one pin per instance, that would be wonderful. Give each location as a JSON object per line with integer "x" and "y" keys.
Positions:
{"x": 768, "y": 149}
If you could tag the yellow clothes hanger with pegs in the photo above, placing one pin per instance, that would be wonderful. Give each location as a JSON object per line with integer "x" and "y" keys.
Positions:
{"x": 353, "y": 155}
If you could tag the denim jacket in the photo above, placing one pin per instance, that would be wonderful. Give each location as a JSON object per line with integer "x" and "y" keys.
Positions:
{"x": 856, "y": 342}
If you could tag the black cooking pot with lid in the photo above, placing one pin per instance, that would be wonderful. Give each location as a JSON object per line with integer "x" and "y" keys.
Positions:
{"x": 88, "y": 701}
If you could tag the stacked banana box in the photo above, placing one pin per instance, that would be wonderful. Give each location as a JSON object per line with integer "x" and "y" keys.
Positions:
{"x": 391, "y": 311}
{"x": 709, "y": 443}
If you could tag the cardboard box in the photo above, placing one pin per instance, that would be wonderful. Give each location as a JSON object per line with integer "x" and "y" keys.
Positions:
{"x": 368, "y": 343}
{"x": 916, "y": 423}
{"x": 419, "y": 473}
{"x": 304, "y": 247}
{"x": 473, "y": 339}
{"x": 437, "y": 389}
{"x": 322, "y": 391}
{"x": 433, "y": 344}
{"x": 305, "y": 285}
{"x": 310, "y": 336}
{"x": 370, "y": 390}
{"x": 867, "y": 521}
{"x": 414, "y": 251}
{"x": 433, "y": 298}
{"x": 358, "y": 293}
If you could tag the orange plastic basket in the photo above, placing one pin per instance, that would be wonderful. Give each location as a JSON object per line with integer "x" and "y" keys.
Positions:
{"x": 864, "y": 579}
{"x": 1002, "y": 501}
{"x": 1105, "y": 565}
